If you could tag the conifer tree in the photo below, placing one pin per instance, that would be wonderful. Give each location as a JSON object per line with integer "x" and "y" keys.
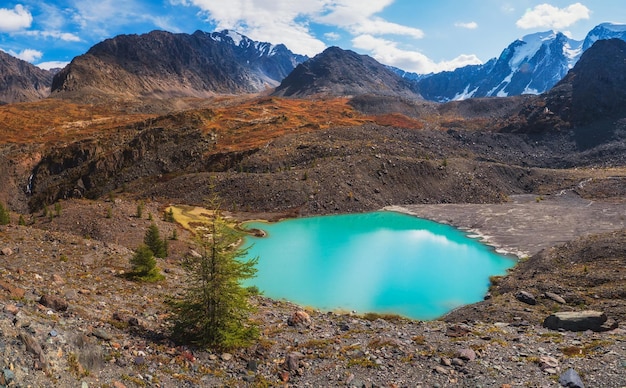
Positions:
{"x": 154, "y": 241}
{"x": 213, "y": 311}
{"x": 144, "y": 265}
{"x": 5, "y": 217}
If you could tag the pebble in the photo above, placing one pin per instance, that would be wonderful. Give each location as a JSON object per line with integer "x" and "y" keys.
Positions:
{"x": 226, "y": 356}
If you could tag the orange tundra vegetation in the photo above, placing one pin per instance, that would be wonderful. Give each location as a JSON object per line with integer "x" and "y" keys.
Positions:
{"x": 238, "y": 123}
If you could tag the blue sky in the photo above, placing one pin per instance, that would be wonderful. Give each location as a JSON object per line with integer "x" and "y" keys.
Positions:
{"x": 416, "y": 35}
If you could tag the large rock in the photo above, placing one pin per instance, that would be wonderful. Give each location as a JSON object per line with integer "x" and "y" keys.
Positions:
{"x": 54, "y": 302}
{"x": 299, "y": 319}
{"x": 571, "y": 379}
{"x": 526, "y": 297}
{"x": 579, "y": 321}
{"x": 555, "y": 297}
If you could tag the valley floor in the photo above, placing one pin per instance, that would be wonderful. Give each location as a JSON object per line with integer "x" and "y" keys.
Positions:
{"x": 112, "y": 332}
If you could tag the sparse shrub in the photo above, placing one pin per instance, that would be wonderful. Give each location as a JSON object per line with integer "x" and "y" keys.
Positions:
{"x": 168, "y": 216}
{"x": 139, "y": 212}
{"x": 174, "y": 235}
{"x": 109, "y": 213}
{"x": 5, "y": 217}
{"x": 150, "y": 217}
{"x": 21, "y": 221}
{"x": 253, "y": 290}
{"x": 57, "y": 209}
{"x": 305, "y": 176}
{"x": 152, "y": 240}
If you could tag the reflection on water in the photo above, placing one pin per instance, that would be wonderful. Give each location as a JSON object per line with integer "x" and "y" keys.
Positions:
{"x": 375, "y": 262}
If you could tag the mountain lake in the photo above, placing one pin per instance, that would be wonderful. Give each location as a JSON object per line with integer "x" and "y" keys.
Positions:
{"x": 381, "y": 262}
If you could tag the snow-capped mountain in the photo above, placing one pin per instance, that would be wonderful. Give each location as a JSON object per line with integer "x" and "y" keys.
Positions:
{"x": 604, "y": 31}
{"x": 530, "y": 65}
{"x": 274, "y": 61}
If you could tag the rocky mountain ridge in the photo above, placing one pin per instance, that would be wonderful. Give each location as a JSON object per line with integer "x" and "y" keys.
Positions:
{"x": 338, "y": 72}
{"x": 20, "y": 81}
{"x": 164, "y": 65}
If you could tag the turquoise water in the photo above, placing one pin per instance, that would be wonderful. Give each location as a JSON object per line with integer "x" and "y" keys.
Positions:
{"x": 382, "y": 262}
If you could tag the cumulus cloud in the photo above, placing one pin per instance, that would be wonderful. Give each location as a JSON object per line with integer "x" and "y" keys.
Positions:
{"x": 388, "y": 52}
{"x": 549, "y": 16}
{"x": 28, "y": 55}
{"x": 15, "y": 19}
{"x": 358, "y": 17}
{"x": 276, "y": 21}
{"x": 287, "y": 21}
{"x": 469, "y": 26}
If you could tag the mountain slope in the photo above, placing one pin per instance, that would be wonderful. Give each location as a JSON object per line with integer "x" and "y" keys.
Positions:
{"x": 163, "y": 64}
{"x": 341, "y": 72}
{"x": 20, "y": 81}
{"x": 589, "y": 103}
{"x": 596, "y": 86}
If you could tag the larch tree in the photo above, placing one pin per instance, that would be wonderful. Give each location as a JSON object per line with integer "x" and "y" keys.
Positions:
{"x": 213, "y": 311}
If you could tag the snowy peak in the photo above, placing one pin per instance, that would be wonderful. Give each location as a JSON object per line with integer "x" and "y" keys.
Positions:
{"x": 604, "y": 31}
{"x": 532, "y": 45}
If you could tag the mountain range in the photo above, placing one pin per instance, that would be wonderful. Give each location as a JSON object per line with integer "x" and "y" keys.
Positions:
{"x": 162, "y": 65}
{"x": 530, "y": 65}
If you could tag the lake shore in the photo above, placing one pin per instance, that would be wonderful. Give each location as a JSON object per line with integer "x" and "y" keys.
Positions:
{"x": 526, "y": 224}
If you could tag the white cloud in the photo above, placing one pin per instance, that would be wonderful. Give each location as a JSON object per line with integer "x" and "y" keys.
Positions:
{"x": 549, "y": 16}
{"x": 357, "y": 16}
{"x": 28, "y": 55}
{"x": 469, "y": 26}
{"x": 332, "y": 36}
{"x": 15, "y": 19}
{"x": 276, "y": 21}
{"x": 52, "y": 65}
{"x": 388, "y": 52}
{"x": 287, "y": 21}
{"x": 64, "y": 36}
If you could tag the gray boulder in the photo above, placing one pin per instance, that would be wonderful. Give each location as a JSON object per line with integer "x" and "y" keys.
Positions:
{"x": 526, "y": 297}
{"x": 571, "y": 379}
{"x": 555, "y": 297}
